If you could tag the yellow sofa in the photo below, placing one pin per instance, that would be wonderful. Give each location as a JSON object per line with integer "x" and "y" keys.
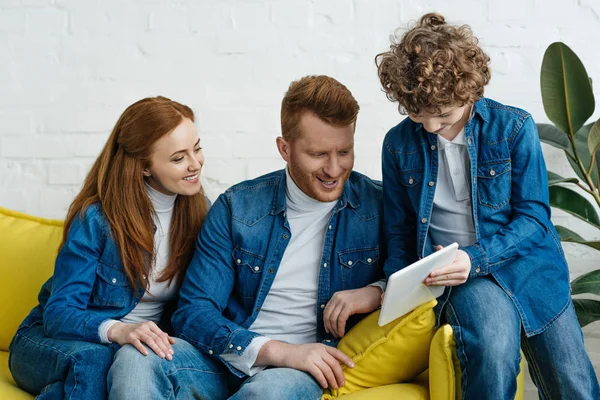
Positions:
{"x": 28, "y": 247}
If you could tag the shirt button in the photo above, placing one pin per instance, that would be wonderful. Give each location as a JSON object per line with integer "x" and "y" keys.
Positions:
{"x": 431, "y": 183}
{"x": 284, "y": 213}
{"x": 324, "y": 265}
{"x": 271, "y": 270}
{"x": 238, "y": 261}
{"x": 369, "y": 260}
{"x": 210, "y": 352}
{"x": 492, "y": 172}
{"x": 328, "y": 340}
{"x": 423, "y": 220}
{"x": 285, "y": 236}
{"x": 256, "y": 268}
{"x": 322, "y": 306}
{"x": 433, "y": 147}
{"x": 257, "y": 309}
{"x": 349, "y": 262}
{"x": 238, "y": 348}
{"x": 231, "y": 346}
{"x": 114, "y": 280}
{"x": 329, "y": 227}
{"x": 469, "y": 140}
{"x": 477, "y": 269}
{"x": 411, "y": 180}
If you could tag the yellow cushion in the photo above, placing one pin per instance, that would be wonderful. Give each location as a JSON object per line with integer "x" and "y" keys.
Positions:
{"x": 8, "y": 387}
{"x": 28, "y": 248}
{"x": 396, "y": 352}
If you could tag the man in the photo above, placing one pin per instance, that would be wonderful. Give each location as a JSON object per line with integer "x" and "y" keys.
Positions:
{"x": 283, "y": 261}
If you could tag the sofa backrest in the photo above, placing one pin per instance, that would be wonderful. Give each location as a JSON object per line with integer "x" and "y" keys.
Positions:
{"x": 28, "y": 248}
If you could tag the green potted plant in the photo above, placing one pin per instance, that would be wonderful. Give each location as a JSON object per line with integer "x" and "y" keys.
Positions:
{"x": 569, "y": 102}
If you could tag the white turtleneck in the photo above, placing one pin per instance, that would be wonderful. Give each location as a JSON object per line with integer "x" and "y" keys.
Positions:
{"x": 289, "y": 312}
{"x": 153, "y": 302}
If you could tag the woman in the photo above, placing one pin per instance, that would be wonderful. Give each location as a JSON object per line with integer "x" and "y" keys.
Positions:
{"x": 129, "y": 236}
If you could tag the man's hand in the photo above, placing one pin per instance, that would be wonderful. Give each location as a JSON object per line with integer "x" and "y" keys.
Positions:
{"x": 346, "y": 303}
{"x": 453, "y": 274}
{"x": 322, "y": 362}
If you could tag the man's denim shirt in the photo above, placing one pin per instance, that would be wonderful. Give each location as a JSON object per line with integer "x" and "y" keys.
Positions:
{"x": 241, "y": 246}
{"x": 516, "y": 242}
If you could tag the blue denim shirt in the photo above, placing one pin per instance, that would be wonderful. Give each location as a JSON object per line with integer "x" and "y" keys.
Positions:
{"x": 516, "y": 242}
{"x": 241, "y": 246}
{"x": 88, "y": 286}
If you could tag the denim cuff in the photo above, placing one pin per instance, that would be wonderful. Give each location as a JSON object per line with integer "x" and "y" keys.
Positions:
{"x": 91, "y": 331}
{"x": 479, "y": 264}
{"x": 238, "y": 342}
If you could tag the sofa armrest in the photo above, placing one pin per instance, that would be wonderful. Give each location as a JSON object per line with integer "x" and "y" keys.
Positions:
{"x": 444, "y": 368}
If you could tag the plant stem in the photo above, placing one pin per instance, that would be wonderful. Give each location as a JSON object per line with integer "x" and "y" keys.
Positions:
{"x": 583, "y": 170}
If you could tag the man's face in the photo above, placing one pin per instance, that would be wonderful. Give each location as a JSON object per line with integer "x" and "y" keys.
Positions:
{"x": 320, "y": 158}
{"x": 447, "y": 124}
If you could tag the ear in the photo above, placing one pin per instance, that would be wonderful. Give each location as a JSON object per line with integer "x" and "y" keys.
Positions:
{"x": 284, "y": 148}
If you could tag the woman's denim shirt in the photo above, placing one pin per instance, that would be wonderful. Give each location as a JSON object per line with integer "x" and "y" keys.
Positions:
{"x": 89, "y": 284}
{"x": 241, "y": 246}
{"x": 516, "y": 242}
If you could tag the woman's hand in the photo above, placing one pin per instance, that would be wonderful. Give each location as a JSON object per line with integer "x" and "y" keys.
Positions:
{"x": 143, "y": 333}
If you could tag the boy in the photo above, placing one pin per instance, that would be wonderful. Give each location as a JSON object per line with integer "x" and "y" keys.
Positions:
{"x": 464, "y": 168}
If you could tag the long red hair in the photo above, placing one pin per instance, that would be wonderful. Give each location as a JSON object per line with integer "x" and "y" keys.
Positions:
{"x": 116, "y": 182}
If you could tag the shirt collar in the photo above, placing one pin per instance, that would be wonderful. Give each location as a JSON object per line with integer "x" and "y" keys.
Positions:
{"x": 458, "y": 140}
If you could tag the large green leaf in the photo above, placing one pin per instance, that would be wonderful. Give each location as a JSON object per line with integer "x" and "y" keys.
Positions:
{"x": 587, "y": 283}
{"x": 587, "y": 311}
{"x": 567, "y": 235}
{"x": 594, "y": 137}
{"x": 573, "y": 203}
{"x": 554, "y": 179}
{"x": 553, "y": 136}
{"x": 581, "y": 144}
{"x": 566, "y": 90}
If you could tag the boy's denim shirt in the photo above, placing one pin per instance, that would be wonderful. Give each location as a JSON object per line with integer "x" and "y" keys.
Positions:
{"x": 241, "y": 246}
{"x": 516, "y": 242}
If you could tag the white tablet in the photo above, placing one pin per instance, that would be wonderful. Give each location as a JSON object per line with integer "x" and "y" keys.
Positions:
{"x": 405, "y": 289}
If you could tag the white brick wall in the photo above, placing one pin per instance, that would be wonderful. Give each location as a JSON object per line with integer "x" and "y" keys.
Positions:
{"x": 69, "y": 67}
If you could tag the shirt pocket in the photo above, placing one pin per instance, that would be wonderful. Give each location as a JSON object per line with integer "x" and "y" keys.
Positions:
{"x": 493, "y": 183}
{"x": 359, "y": 267}
{"x": 111, "y": 287}
{"x": 411, "y": 178}
{"x": 249, "y": 268}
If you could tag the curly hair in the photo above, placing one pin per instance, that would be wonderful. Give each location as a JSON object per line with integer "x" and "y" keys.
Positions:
{"x": 322, "y": 95}
{"x": 433, "y": 65}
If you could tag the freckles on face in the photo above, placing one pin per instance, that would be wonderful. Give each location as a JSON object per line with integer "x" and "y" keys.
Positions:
{"x": 176, "y": 161}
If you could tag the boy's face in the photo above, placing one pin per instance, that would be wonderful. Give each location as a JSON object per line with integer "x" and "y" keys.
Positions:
{"x": 447, "y": 124}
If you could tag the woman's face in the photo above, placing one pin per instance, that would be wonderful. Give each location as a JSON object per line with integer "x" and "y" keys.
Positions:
{"x": 176, "y": 161}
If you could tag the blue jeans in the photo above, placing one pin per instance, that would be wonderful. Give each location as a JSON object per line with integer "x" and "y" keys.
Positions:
{"x": 192, "y": 375}
{"x": 488, "y": 334}
{"x": 59, "y": 369}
